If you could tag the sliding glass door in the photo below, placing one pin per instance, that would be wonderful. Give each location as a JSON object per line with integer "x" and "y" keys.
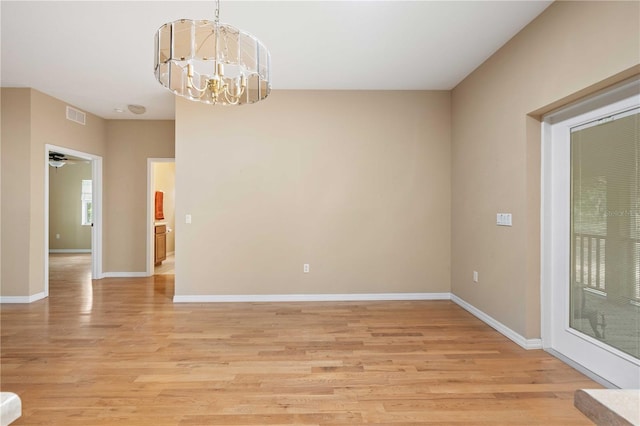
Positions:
{"x": 595, "y": 231}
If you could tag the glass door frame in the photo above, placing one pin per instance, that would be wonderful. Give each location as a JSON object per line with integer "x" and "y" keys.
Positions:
{"x": 601, "y": 362}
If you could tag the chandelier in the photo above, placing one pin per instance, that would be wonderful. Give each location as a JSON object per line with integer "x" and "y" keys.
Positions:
{"x": 211, "y": 62}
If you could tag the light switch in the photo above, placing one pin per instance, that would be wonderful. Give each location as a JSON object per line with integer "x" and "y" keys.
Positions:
{"x": 187, "y": 219}
{"x": 507, "y": 219}
{"x": 503, "y": 219}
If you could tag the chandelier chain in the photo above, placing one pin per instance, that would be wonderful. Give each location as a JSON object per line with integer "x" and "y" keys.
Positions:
{"x": 217, "y": 11}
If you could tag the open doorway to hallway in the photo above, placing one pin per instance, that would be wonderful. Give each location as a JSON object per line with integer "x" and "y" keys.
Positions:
{"x": 161, "y": 216}
{"x": 72, "y": 209}
{"x": 70, "y": 204}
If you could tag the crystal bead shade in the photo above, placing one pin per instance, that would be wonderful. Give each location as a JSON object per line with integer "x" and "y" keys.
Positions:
{"x": 211, "y": 62}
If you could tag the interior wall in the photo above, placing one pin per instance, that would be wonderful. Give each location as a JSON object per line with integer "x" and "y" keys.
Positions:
{"x": 30, "y": 120}
{"x": 165, "y": 181}
{"x": 66, "y": 231}
{"x": 354, "y": 183}
{"x": 569, "y": 50}
{"x": 0, "y": 196}
{"x": 16, "y": 178}
{"x": 129, "y": 144}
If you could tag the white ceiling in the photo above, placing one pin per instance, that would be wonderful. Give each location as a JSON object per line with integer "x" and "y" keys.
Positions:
{"x": 98, "y": 55}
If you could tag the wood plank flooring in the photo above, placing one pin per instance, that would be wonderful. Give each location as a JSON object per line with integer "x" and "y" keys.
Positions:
{"x": 118, "y": 351}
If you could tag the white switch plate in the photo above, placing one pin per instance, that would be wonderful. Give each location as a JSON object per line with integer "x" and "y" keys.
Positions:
{"x": 305, "y": 268}
{"x": 475, "y": 276}
{"x": 503, "y": 219}
{"x": 187, "y": 219}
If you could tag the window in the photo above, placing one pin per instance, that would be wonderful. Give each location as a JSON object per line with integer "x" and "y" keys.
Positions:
{"x": 605, "y": 217}
{"x": 87, "y": 207}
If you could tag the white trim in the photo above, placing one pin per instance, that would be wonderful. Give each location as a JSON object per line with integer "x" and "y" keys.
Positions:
{"x": 546, "y": 240}
{"x": 96, "y": 229}
{"x": 310, "y": 297}
{"x": 607, "y": 96}
{"x": 22, "y": 299}
{"x": 69, "y": 250}
{"x": 497, "y": 325}
{"x": 124, "y": 274}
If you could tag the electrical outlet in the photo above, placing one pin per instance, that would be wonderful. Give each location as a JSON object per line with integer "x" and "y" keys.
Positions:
{"x": 187, "y": 219}
{"x": 57, "y": 236}
{"x": 475, "y": 276}
{"x": 305, "y": 268}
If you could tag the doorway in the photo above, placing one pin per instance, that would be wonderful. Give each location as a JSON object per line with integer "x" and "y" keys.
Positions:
{"x": 160, "y": 216}
{"x": 591, "y": 236}
{"x": 73, "y": 206}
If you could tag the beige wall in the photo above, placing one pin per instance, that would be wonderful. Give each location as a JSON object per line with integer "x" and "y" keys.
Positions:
{"x": 16, "y": 178}
{"x": 165, "y": 181}
{"x": 30, "y": 120}
{"x": 129, "y": 144}
{"x": 354, "y": 183}
{"x": 65, "y": 207}
{"x": 568, "y": 51}
{"x": 0, "y": 195}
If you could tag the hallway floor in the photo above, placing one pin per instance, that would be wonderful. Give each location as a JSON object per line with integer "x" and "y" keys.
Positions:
{"x": 167, "y": 266}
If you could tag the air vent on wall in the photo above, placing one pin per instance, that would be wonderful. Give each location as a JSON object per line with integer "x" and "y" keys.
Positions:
{"x": 76, "y": 115}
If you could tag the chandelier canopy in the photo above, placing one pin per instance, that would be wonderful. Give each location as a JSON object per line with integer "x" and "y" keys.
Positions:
{"x": 212, "y": 62}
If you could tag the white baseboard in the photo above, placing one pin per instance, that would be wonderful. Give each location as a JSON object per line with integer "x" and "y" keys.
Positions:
{"x": 124, "y": 274}
{"x": 506, "y": 331}
{"x": 22, "y": 299}
{"x": 309, "y": 297}
{"x": 69, "y": 250}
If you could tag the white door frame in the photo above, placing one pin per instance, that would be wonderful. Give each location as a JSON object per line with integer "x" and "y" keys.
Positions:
{"x": 96, "y": 230}
{"x": 151, "y": 180}
{"x": 555, "y": 229}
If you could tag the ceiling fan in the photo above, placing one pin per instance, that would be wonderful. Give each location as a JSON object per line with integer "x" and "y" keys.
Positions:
{"x": 58, "y": 160}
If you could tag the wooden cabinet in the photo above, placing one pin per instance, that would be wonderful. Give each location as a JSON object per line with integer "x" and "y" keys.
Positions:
{"x": 160, "y": 243}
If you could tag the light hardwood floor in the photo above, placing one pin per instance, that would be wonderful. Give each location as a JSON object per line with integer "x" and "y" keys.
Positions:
{"x": 118, "y": 351}
{"x": 166, "y": 267}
